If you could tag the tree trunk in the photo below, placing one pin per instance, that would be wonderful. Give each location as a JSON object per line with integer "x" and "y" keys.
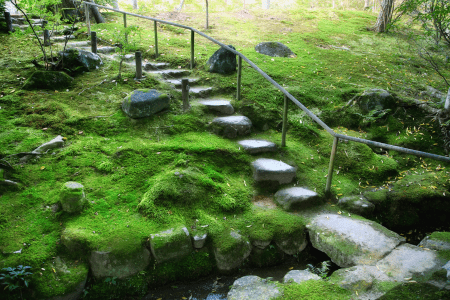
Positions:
{"x": 181, "y": 5}
{"x": 135, "y": 4}
{"x": 266, "y": 4}
{"x": 115, "y": 4}
{"x": 97, "y": 16}
{"x": 207, "y": 15}
{"x": 385, "y": 16}
{"x": 366, "y": 4}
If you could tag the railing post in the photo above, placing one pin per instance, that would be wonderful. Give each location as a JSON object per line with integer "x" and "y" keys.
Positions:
{"x": 331, "y": 166}
{"x": 125, "y": 26}
{"x": 285, "y": 121}
{"x": 94, "y": 42}
{"x": 46, "y": 37}
{"x": 8, "y": 21}
{"x": 192, "y": 49}
{"x": 239, "y": 76}
{"x": 88, "y": 21}
{"x": 138, "y": 58}
{"x": 185, "y": 93}
{"x": 156, "y": 39}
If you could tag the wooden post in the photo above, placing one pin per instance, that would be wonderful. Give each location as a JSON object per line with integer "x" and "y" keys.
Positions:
{"x": 94, "y": 42}
{"x": 331, "y": 166}
{"x": 138, "y": 58}
{"x": 285, "y": 122}
{"x": 185, "y": 93}
{"x": 8, "y": 21}
{"x": 239, "y": 76}
{"x": 156, "y": 39}
{"x": 46, "y": 37}
{"x": 88, "y": 21}
{"x": 192, "y": 49}
{"x": 125, "y": 26}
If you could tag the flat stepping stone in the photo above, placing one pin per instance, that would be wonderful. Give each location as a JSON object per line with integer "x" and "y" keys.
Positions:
{"x": 221, "y": 106}
{"x": 232, "y": 126}
{"x": 265, "y": 169}
{"x": 350, "y": 242}
{"x": 78, "y": 44}
{"x": 200, "y": 91}
{"x": 299, "y": 276}
{"x": 155, "y": 66}
{"x": 296, "y": 197}
{"x": 254, "y": 288}
{"x": 172, "y": 73}
{"x": 177, "y": 82}
{"x": 258, "y": 146}
{"x": 106, "y": 49}
{"x": 60, "y": 38}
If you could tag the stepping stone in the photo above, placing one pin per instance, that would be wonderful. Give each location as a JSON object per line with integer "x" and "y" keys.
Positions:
{"x": 221, "y": 106}
{"x": 78, "y": 44}
{"x": 265, "y": 169}
{"x": 155, "y": 66}
{"x": 60, "y": 38}
{"x": 350, "y": 242}
{"x": 106, "y": 50}
{"x": 409, "y": 261}
{"x": 258, "y": 146}
{"x": 172, "y": 73}
{"x": 232, "y": 126}
{"x": 296, "y": 196}
{"x": 200, "y": 91}
{"x": 177, "y": 82}
{"x": 299, "y": 276}
{"x": 253, "y": 287}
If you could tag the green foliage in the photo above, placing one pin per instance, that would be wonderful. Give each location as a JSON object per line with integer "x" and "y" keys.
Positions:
{"x": 322, "y": 270}
{"x": 113, "y": 288}
{"x": 15, "y": 278}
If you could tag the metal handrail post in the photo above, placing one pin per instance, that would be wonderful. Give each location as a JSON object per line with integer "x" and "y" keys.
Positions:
{"x": 156, "y": 39}
{"x": 331, "y": 166}
{"x": 192, "y": 49}
{"x": 285, "y": 113}
{"x": 239, "y": 76}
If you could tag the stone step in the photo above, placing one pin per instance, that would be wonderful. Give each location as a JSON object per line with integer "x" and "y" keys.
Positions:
{"x": 154, "y": 66}
{"x": 200, "y": 91}
{"x": 78, "y": 44}
{"x": 57, "y": 39}
{"x": 171, "y": 73}
{"x": 232, "y": 126}
{"x": 296, "y": 197}
{"x": 265, "y": 169}
{"x": 104, "y": 50}
{"x": 219, "y": 105}
{"x": 258, "y": 146}
{"x": 177, "y": 82}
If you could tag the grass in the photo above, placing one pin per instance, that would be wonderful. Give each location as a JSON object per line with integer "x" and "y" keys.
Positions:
{"x": 128, "y": 166}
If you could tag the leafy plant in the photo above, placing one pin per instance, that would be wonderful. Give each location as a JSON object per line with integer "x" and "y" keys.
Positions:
{"x": 15, "y": 278}
{"x": 322, "y": 271}
{"x": 124, "y": 45}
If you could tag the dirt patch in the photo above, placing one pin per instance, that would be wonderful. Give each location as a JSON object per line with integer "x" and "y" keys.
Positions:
{"x": 264, "y": 202}
{"x": 245, "y": 14}
{"x": 174, "y": 15}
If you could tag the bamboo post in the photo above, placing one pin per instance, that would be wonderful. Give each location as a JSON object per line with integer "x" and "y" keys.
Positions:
{"x": 192, "y": 49}
{"x": 138, "y": 58}
{"x": 46, "y": 37}
{"x": 239, "y": 76}
{"x": 156, "y": 39}
{"x": 185, "y": 93}
{"x": 125, "y": 26}
{"x": 94, "y": 42}
{"x": 88, "y": 21}
{"x": 331, "y": 166}
{"x": 285, "y": 121}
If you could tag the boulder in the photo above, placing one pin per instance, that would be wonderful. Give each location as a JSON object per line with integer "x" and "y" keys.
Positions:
{"x": 253, "y": 288}
{"x": 265, "y": 169}
{"x": 434, "y": 244}
{"x": 231, "y": 252}
{"x": 49, "y": 80}
{"x": 170, "y": 244}
{"x": 349, "y": 242}
{"x": 72, "y": 197}
{"x": 375, "y": 99}
{"x": 357, "y": 204}
{"x": 274, "y": 49}
{"x": 296, "y": 197}
{"x": 359, "y": 278}
{"x": 144, "y": 103}
{"x": 80, "y": 60}
{"x": 298, "y": 276}
{"x": 232, "y": 126}
{"x": 120, "y": 265}
{"x": 222, "y": 61}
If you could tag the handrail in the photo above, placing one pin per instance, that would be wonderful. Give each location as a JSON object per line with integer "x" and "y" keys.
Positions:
{"x": 287, "y": 95}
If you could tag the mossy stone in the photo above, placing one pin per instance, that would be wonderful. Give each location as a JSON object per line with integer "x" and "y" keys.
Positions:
{"x": 144, "y": 103}
{"x": 170, "y": 244}
{"x": 72, "y": 197}
{"x": 50, "y": 80}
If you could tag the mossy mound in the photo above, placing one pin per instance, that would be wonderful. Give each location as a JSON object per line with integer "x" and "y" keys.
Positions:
{"x": 421, "y": 291}
{"x": 50, "y": 80}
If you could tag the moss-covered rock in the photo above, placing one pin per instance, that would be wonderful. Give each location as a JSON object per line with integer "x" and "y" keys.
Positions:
{"x": 230, "y": 251}
{"x": 144, "y": 103}
{"x": 80, "y": 60}
{"x": 72, "y": 197}
{"x": 170, "y": 244}
{"x": 48, "y": 80}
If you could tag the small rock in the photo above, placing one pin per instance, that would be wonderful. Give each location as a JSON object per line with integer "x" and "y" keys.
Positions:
{"x": 298, "y": 276}
{"x": 253, "y": 288}
{"x": 274, "y": 49}
{"x": 72, "y": 197}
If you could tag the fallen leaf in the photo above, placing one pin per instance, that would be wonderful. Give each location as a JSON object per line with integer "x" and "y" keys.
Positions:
{"x": 42, "y": 168}
{"x": 13, "y": 91}
{"x": 291, "y": 268}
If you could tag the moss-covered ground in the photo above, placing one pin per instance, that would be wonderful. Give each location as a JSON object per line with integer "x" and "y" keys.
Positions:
{"x": 131, "y": 168}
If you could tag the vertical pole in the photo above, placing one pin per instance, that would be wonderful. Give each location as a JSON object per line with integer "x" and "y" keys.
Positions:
{"x": 285, "y": 121}
{"x": 330, "y": 168}
{"x": 185, "y": 93}
{"x": 125, "y": 26}
{"x": 239, "y": 76}
{"x": 192, "y": 49}
{"x": 156, "y": 39}
{"x": 94, "y": 42}
{"x": 8, "y": 21}
{"x": 138, "y": 56}
{"x": 88, "y": 21}
{"x": 46, "y": 37}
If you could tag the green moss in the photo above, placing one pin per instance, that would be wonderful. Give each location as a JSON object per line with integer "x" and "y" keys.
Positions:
{"x": 48, "y": 80}
{"x": 416, "y": 291}
{"x": 441, "y": 236}
{"x": 314, "y": 290}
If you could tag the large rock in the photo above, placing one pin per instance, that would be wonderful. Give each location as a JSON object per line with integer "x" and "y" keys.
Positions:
{"x": 80, "y": 60}
{"x": 298, "y": 276}
{"x": 57, "y": 142}
{"x": 144, "y": 103}
{"x": 349, "y": 242}
{"x": 108, "y": 264}
{"x": 359, "y": 278}
{"x": 292, "y": 243}
{"x": 274, "y": 49}
{"x": 72, "y": 197}
{"x": 170, "y": 244}
{"x": 231, "y": 252}
{"x": 265, "y": 169}
{"x": 407, "y": 261}
{"x": 296, "y": 197}
{"x": 49, "y": 80}
{"x": 434, "y": 244}
{"x": 222, "y": 61}
{"x": 232, "y": 126}
{"x": 357, "y": 204}
{"x": 376, "y": 99}
{"x": 253, "y": 288}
